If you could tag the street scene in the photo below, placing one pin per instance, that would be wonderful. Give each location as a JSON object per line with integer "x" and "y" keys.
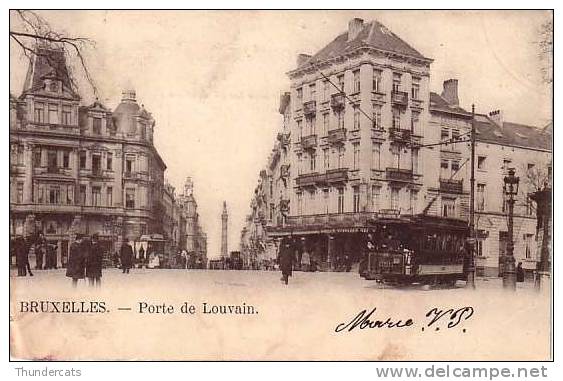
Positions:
{"x": 375, "y": 169}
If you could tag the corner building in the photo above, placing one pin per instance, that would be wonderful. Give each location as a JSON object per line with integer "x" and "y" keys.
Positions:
{"x": 76, "y": 168}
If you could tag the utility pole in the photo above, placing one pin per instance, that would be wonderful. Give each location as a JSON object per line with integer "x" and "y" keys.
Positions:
{"x": 472, "y": 242}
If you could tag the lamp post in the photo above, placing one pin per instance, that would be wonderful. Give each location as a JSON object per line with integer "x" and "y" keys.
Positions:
{"x": 511, "y": 190}
{"x": 471, "y": 242}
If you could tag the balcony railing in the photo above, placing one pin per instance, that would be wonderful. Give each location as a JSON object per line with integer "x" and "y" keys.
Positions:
{"x": 310, "y": 179}
{"x": 451, "y": 186}
{"x": 399, "y": 134}
{"x": 308, "y": 142}
{"x": 332, "y": 219}
{"x": 331, "y": 176}
{"x": 53, "y": 169}
{"x": 309, "y": 108}
{"x": 337, "y": 101}
{"x": 336, "y": 175}
{"x": 399, "y": 174}
{"x": 337, "y": 136}
{"x": 400, "y": 98}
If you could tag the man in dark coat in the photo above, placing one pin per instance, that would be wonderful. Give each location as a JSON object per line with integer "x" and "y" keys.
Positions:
{"x": 39, "y": 251}
{"x": 286, "y": 260}
{"x": 126, "y": 257}
{"x": 141, "y": 257}
{"x": 520, "y": 275}
{"x": 94, "y": 262}
{"x": 21, "y": 249}
{"x": 75, "y": 268}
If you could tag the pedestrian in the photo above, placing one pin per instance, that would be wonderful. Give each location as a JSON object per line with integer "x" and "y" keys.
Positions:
{"x": 286, "y": 256}
{"x": 21, "y": 250}
{"x": 141, "y": 256}
{"x": 76, "y": 260}
{"x": 520, "y": 273}
{"x": 52, "y": 251}
{"x": 126, "y": 257}
{"x": 29, "y": 249}
{"x": 94, "y": 262}
{"x": 39, "y": 251}
{"x": 305, "y": 261}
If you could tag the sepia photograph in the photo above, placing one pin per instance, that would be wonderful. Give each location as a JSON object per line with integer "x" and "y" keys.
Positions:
{"x": 290, "y": 185}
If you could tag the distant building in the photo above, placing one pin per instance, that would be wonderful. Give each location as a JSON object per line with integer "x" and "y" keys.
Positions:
{"x": 194, "y": 237}
{"x": 224, "y": 232}
{"x": 354, "y": 148}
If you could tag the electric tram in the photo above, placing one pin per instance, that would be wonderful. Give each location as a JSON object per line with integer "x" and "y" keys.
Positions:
{"x": 416, "y": 249}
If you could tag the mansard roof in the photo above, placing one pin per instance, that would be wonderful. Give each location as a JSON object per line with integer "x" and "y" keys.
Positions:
{"x": 512, "y": 134}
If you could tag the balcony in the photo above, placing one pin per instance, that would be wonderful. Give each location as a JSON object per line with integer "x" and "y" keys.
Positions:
{"x": 451, "y": 186}
{"x": 309, "y": 108}
{"x": 310, "y": 179}
{"x": 53, "y": 169}
{"x": 17, "y": 169}
{"x": 97, "y": 172}
{"x": 309, "y": 142}
{"x": 400, "y": 135}
{"x": 337, "y": 136}
{"x": 337, "y": 175}
{"x": 399, "y": 174}
{"x": 400, "y": 98}
{"x": 332, "y": 220}
{"x": 337, "y": 101}
{"x": 284, "y": 171}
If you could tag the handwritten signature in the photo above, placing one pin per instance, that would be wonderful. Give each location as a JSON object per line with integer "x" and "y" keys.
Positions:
{"x": 452, "y": 317}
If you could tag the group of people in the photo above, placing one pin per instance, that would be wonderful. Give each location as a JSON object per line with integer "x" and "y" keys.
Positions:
{"x": 45, "y": 254}
{"x": 85, "y": 260}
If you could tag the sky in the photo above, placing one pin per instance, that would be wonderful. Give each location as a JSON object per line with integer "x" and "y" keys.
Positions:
{"x": 212, "y": 80}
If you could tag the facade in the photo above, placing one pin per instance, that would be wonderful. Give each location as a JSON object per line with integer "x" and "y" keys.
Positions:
{"x": 81, "y": 169}
{"x": 174, "y": 225}
{"x": 363, "y": 138}
{"x": 195, "y": 239}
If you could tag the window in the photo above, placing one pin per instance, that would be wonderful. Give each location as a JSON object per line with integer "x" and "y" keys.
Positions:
{"x": 377, "y": 117}
{"x": 396, "y": 119}
{"x": 528, "y": 241}
{"x": 130, "y": 198}
{"x": 455, "y": 167}
{"x": 311, "y": 206}
{"x": 375, "y": 197}
{"x": 531, "y": 166}
{"x": 82, "y": 194}
{"x": 313, "y": 125}
{"x": 481, "y": 162}
{"x": 300, "y": 129}
{"x": 128, "y": 166}
{"x": 53, "y": 114}
{"x": 376, "y": 156}
{"x": 444, "y": 169}
{"x": 312, "y": 92}
{"x": 67, "y": 113}
{"x": 54, "y": 194}
{"x": 529, "y": 206}
{"x": 356, "y": 147}
{"x": 272, "y": 206}
{"x": 414, "y": 122}
{"x": 97, "y": 126}
{"x": 325, "y": 123}
{"x": 82, "y": 159}
{"x": 356, "y": 118}
{"x": 70, "y": 195}
{"x": 396, "y": 82}
{"x": 51, "y": 161}
{"x": 326, "y": 158}
{"x": 395, "y": 198}
{"x": 96, "y": 163}
{"x": 444, "y": 134}
{"x": 39, "y": 114}
{"x": 340, "y": 200}
{"x": 326, "y": 90}
{"x": 376, "y": 81}
{"x": 415, "y": 90}
{"x": 325, "y": 200}
{"x": 356, "y": 199}
{"x": 356, "y": 74}
{"x": 299, "y": 163}
{"x": 299, "y": 97}
{"x": 479, "y": 247}
{"x": 96, "y": 196}
{"x": 312, "y": 161}
{"x": 340, "y": 117}
{"x": 143, "y": 130}
{"x": 448, "y": 207}
{"x": 340, "y": 157}
{"x": 300, "y": 203}
{"x": 66, "y": 159}
{"x": 340, "y": 79}
{"x": 414, "y": 160}
{"x": 37, "y": 157}
{"x": 109, "y": 162}
{"x": 414, "y": 201}
{"x": 19, "y": 192}
{"x": 506, "y": 164}
{"x": 480, "y": 197}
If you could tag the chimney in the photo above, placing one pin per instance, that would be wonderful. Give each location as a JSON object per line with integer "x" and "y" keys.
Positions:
{"x": 450, "y": 92}
{"x": 302, "y": 58}
{"x": 354, "y": 28}
{"x": 128, "y": 96}
{"x": 497, "y": 117}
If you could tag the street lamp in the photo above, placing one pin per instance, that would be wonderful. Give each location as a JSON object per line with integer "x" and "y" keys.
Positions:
{"x": 510, "y": 189}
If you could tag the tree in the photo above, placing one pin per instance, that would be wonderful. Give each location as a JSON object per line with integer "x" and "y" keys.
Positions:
{"x": 545, "y": 44}
{"x": 30, "y": 31}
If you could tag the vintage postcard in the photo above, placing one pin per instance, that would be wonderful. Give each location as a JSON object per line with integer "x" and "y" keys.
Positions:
{"x": 281, "y": 185}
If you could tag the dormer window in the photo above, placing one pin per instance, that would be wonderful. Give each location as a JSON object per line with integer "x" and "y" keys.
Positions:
{"x": 53, "y": 86}
{"x": 97, "y": 126}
